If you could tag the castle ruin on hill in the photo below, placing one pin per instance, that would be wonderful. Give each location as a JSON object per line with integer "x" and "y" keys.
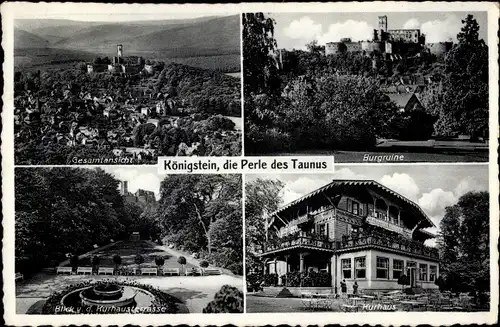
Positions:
{"x": 121, "y": 64}
{"x": 392, "y": 42}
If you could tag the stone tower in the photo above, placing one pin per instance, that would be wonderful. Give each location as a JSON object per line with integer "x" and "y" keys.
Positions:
{"x": 382, "y": 26}
{"x": 124, "y": 188}
{"x": 119, "y": 49}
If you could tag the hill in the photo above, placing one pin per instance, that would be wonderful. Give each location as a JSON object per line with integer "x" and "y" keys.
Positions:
{"x": 23, "y": 39}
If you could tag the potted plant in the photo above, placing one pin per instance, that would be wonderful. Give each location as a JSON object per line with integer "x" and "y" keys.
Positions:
{"x": 73, "y": 261}
{"x": 204, "y": 264}
{"x": 159, "y": 261}
{"x": 182, "y": 261}
{"x": 139, "y": 260}
{"x": 95, "y": 263}
{"x": 117, "y": 259}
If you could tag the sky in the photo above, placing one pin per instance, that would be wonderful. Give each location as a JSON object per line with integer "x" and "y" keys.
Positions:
{"x": 432, "y": 187}
{"x": 125, "y": 16}
{"x": 295, "y": 30}
{"x": 140, "y": 177}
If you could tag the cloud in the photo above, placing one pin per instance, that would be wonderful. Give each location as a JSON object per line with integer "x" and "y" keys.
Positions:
{"x": 303, "y": 29}
{"x": 346, "y": 173}
{"x": 412, "y": 23}
{"x": 356, "y": 30}
{"x": 435, "y": 202}
{"x": 403, "y": 184}
{"x": 468, "y": 184}
{"x": 441, "y": 30}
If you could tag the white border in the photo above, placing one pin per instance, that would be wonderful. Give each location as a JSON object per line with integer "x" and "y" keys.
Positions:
{"x": 36, "y": 10}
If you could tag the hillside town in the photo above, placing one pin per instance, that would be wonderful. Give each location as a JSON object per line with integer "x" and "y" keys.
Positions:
{"x": 124, "y": 107}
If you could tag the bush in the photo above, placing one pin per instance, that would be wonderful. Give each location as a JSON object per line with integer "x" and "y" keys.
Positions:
{"x": 96, "y": 260}
{"x": 74, "y": 260}
{"x": 117, "y": 259}
{"x": 254, "y": 282}
{"x": 139, "y": 259}
{"x": 160, "y": 261}
{"x": 270, "y": 279}
{"x": 162, "y": 300}
{"x": 181, "y": 260}
{"x": 227, "y": 300}
{"x": 204, "y": 264}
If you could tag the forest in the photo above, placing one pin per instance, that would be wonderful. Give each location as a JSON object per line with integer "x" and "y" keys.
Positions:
{"x": 307, "y": 99}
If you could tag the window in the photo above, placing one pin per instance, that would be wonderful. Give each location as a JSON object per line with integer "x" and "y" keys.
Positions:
{"x": 423, "y": 272}
{"x": 355, "y": 208}
{"x": 360, "y": 267}
{"x": 346, "y": 268}
{"x": 382, "y": 268}
{"x": 322, "y": 229}
{"x": 397, "y": 268}
{"x": 432, "y": 273}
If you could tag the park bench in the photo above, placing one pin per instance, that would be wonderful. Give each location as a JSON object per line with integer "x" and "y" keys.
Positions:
{"x": 19, "y": 276}
{"x": 64, "y": 270}
{"x": 106, "y": 271}
{"x": 171, "y": 271}
{"x": 149, "y": 271}
{"x": 211, "y": 271}
{"x": 84, "y": 270}
{"x": 193, "y": 271}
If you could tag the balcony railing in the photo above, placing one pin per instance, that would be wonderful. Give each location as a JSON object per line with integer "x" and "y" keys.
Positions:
{"x": 301, "y": 240}
{"x": 408, "y": 246}
{"x": 389, "y": 226}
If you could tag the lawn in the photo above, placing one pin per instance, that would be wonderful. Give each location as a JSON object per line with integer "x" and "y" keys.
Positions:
{"x": 128, "y": 250}
{"x": 257, "y": 303}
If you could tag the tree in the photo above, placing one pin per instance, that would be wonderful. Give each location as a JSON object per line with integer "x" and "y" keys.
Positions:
{"x": 464, "y": 244}
{"x": 262, "y": 198}
{"x": 160, "y": 261}
{"x": 313, "y": 47}
{"x": 182, "y": 261}
{"x": 260, "y": 50}
{"x": 139, "y": 260}
{"x": 73, "y": 261}
{"x": 117, "y": 260}
{"x": 461, "y": 102}
{"x": 96, "y": 260}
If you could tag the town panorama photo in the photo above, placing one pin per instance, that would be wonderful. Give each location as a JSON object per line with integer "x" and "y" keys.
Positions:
{"x": 91, "y": 89}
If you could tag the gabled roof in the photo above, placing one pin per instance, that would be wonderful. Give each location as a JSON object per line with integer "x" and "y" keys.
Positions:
{"x": 357, "y": 183}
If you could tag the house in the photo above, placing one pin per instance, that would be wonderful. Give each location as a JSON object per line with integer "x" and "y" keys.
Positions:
{"x": 406, "y": 102}
{"x": 357, "y": 230}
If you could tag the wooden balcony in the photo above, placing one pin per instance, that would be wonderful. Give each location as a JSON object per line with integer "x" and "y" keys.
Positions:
{"x": 389, "y": 226}
{"x": 408, "y": 247}
{"x": 300, "y": 241}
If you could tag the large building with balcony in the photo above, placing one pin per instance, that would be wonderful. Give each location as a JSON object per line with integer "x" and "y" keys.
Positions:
{"x": 357, "y": 230}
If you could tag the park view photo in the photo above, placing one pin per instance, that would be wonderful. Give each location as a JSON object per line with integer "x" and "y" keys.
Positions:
{"x": 412, "y": 83}
{"x": 126, "y": 240}
{"x": 94, "y": 89}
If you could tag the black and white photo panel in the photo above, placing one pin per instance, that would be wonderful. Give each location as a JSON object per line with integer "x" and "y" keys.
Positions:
{"x": 383, "y": 238}
{"x": 125, "y": 89}
{"x": 367, "y": 86}
{"x": 127, "y": 240}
